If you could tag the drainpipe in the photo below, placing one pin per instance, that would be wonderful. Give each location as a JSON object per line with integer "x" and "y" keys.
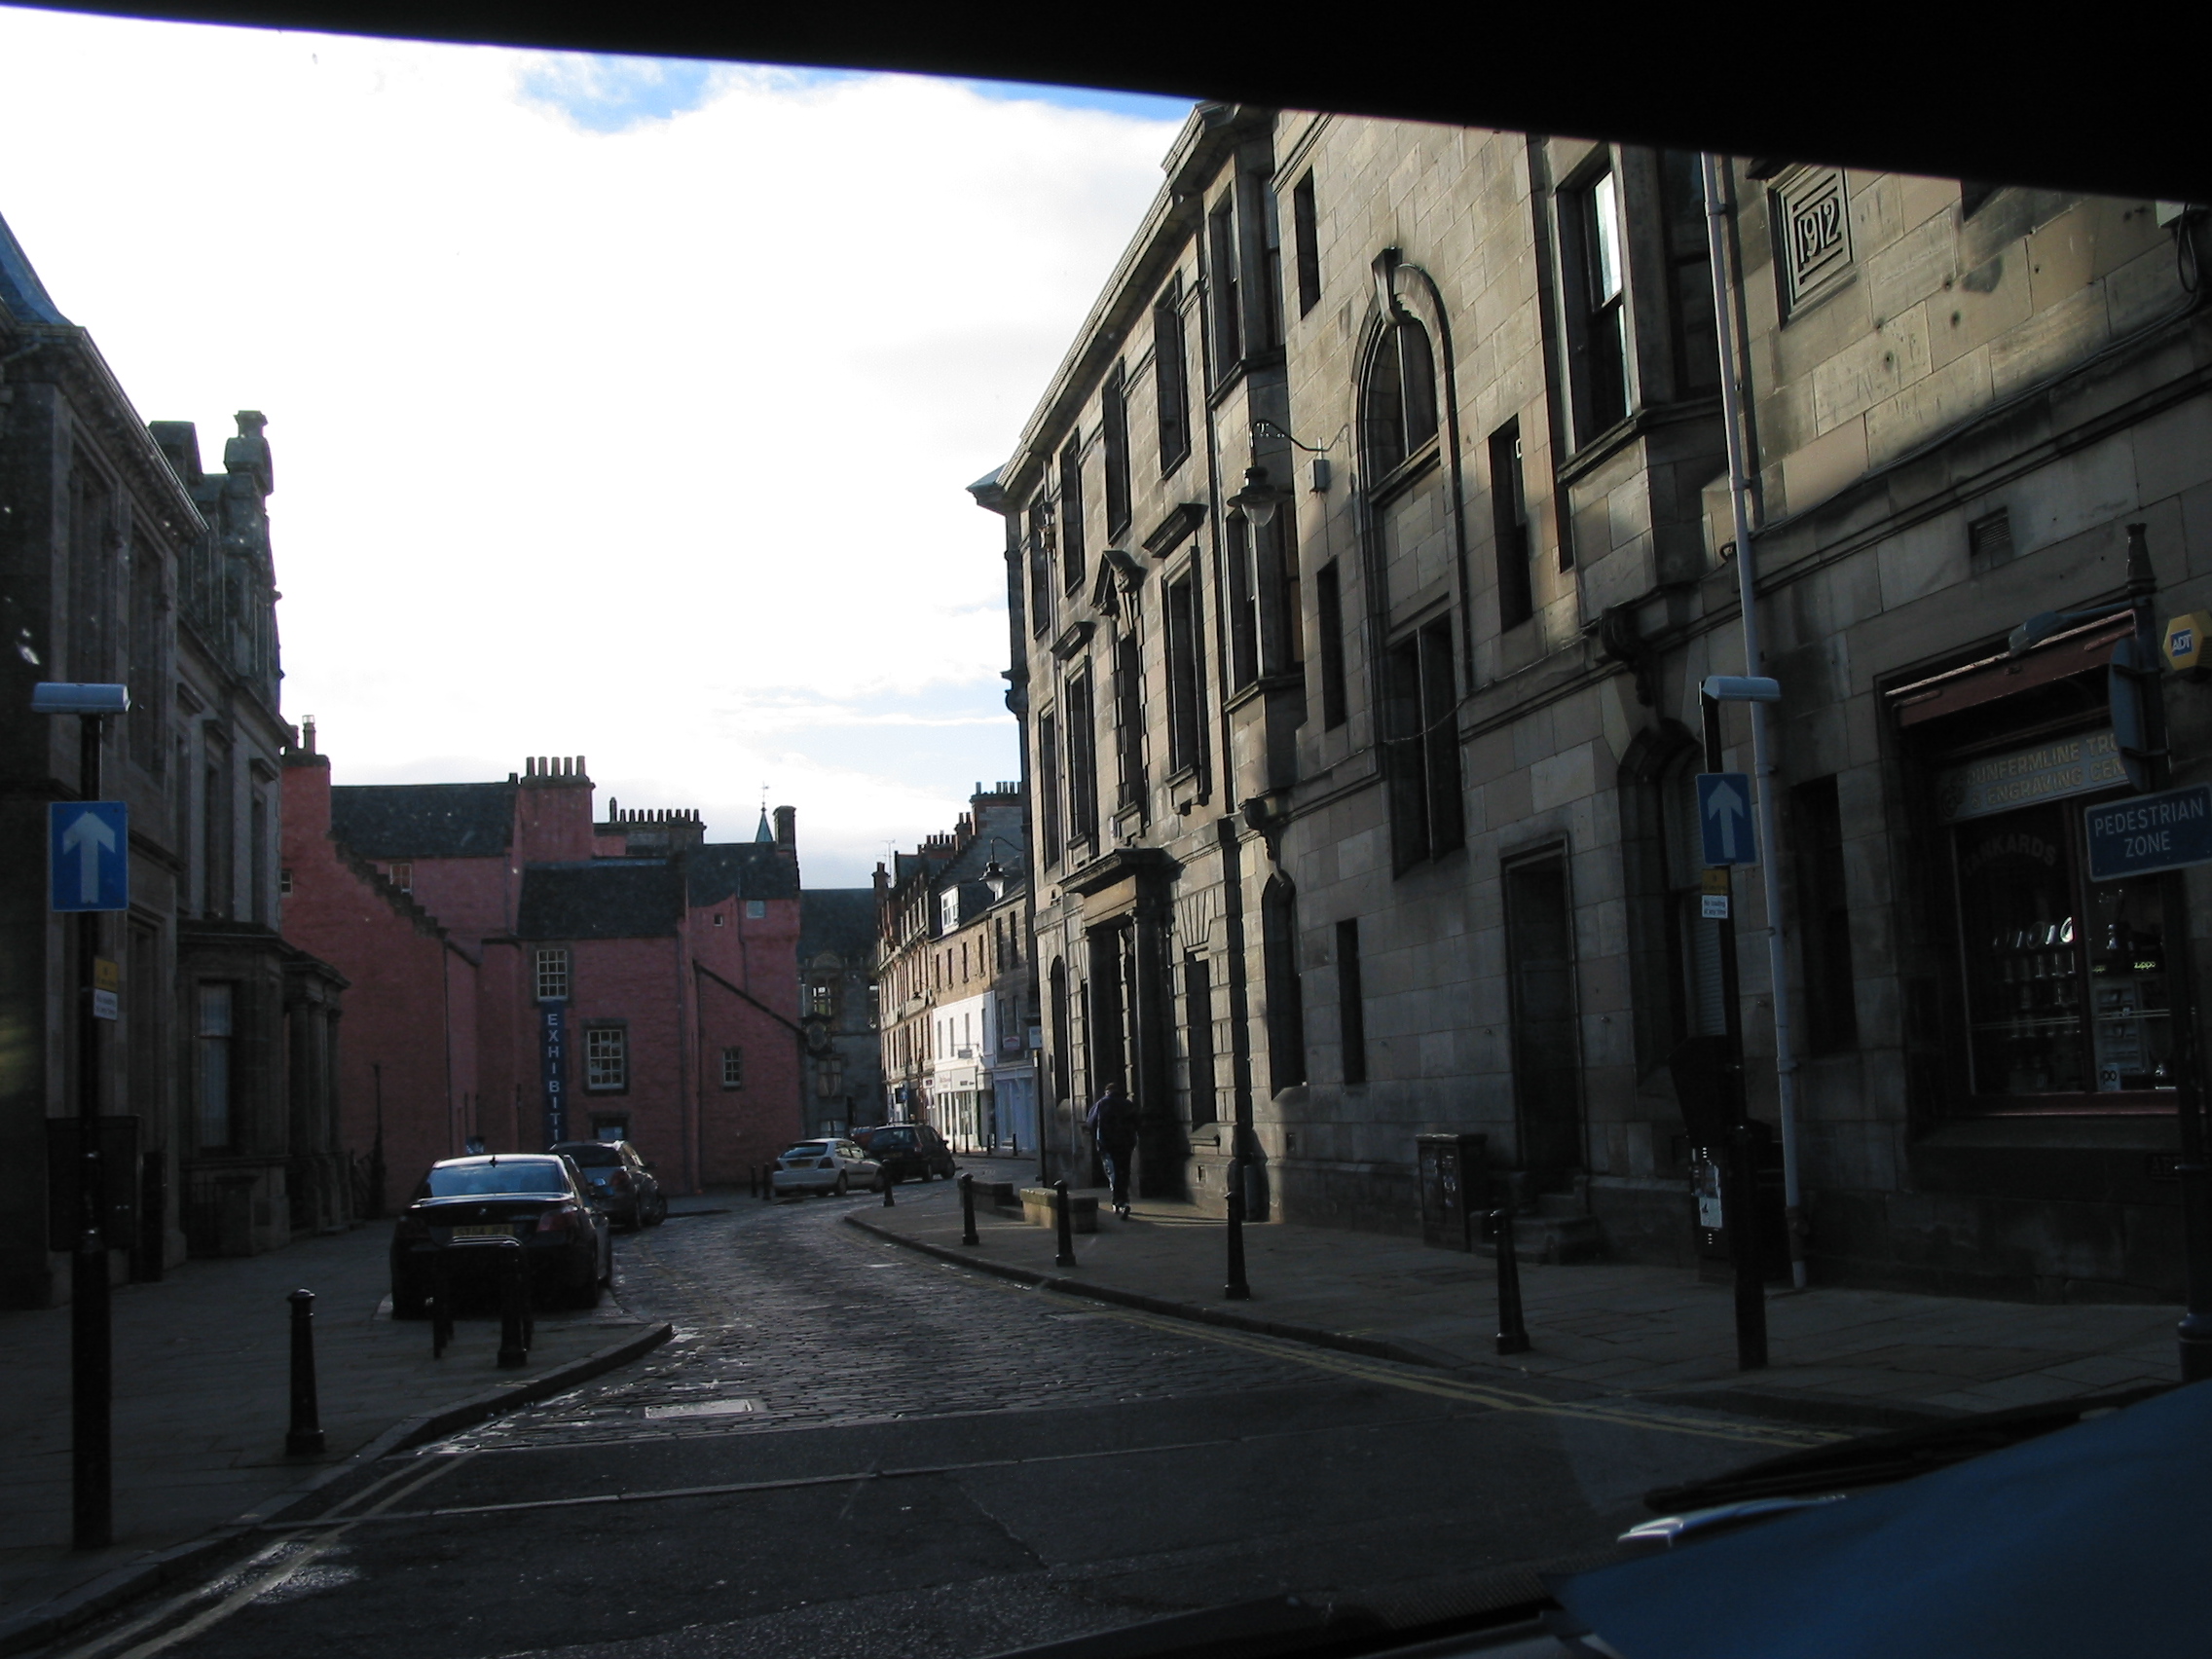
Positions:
{"x": 1763, "y": 741}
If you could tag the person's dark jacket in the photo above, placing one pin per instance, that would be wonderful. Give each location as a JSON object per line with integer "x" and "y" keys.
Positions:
{"x": 1114, "y": 1120}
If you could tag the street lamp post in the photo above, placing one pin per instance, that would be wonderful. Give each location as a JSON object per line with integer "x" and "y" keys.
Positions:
{"x": 90, "y": 1353}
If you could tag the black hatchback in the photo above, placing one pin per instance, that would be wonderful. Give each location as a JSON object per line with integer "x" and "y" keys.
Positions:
{"x": 465, "y": 1205}
{"x": 908, "y": 1152}
{"x": 621, "y": 1183}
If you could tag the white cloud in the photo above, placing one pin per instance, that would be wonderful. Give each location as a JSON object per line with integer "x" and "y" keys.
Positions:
{"x": 645, "y": 444}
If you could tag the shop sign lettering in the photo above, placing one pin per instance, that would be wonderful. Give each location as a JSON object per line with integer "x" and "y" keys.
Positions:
{"x": 2023, "y": 777}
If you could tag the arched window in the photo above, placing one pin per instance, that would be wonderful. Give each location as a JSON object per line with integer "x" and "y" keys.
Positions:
{"x": 1397, "y": 407}
{"x": 1286, "y": 1008}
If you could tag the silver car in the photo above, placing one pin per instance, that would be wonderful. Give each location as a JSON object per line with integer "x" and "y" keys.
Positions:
{"x": 833, "y": 1165}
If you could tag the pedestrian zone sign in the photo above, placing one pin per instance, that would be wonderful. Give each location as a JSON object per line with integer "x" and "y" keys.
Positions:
{"x": 1724, "y": 818}
{"x": 89, "y": 855}
{"x": 2146, "y": 834}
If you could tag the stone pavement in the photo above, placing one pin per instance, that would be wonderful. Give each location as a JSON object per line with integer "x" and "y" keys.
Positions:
{"x": 203, "y": 1397}
{"x": 1855, "y": 1358}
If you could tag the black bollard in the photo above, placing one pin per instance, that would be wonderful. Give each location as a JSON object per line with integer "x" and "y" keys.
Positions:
{"x": 768, "y": 1183}
{"x": 753, "y": 1180}
{"x": 1512, "y": 1332}
{"x": 1740, "y": 1210}
{"x": 968, "y": 1211}
{"x": 1238, "y": 1288}
{"x": 305, "y": 1436}
{"x": 515, "y": 1321}
{"x": 1063, "y": 1225}
{"x": 889, "y": 1181}
{"x": 441, "y": 1306}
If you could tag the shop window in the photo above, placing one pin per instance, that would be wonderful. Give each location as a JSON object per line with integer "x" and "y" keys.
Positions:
{"x": 213, "y": 1033}
{"x": 552, "y": 973}
{"x": 606, "y": 1057}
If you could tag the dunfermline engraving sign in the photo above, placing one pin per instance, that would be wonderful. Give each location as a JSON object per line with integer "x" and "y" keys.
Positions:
{"x": 2022, "y": 777}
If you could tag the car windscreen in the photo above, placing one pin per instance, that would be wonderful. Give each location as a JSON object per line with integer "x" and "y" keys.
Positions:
{"x": 809, "y": 1149}
{"x": 593, "y": 1155}
{"x": 471, "y": 1180}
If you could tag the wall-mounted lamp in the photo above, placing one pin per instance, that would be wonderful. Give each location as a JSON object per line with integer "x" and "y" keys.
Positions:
{"x": 1317, "y": 468}
{"x": 1258, "y": 499}
{"x": 1741, "y": 688}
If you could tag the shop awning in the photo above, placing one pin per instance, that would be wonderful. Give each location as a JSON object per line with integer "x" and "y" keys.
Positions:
{"x": 2059, "y": 657}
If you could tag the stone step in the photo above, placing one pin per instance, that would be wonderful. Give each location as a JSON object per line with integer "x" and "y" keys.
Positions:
{"x": 1553, "y": 1239}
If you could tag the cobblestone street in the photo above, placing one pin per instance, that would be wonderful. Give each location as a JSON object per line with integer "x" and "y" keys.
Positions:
{"x": 849, "y": 1449}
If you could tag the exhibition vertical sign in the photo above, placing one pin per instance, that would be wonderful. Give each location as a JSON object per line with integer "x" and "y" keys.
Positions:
{"x": 553, "y": 1053}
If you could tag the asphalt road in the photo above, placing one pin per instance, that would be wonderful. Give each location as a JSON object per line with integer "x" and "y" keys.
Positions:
{"x": 851, "y": 1449}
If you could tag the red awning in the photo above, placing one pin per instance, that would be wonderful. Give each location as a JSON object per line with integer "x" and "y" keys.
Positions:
{"x": 2059, "y": 657}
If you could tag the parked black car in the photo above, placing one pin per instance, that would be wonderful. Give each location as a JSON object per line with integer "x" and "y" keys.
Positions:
{"x": 908, "y": 1152}
{"x": 620, "y": 1182}
{"x": 464, "y": 1205}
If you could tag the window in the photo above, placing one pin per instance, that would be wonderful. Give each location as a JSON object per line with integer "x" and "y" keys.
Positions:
{"x": 1509, "y": 516}
{"x": 403, "y": 877}
{"x": 1083, "y": 763}
{"x": 606, "y": 1057}
{"x": 1186, "y": 677}
{"x": 824, "y": 999}
{"x": 212, "y": 1033}
{"x": 552, "y": 973}
{"x": 1128, "y": 721}
{"x": 1048, "y": 785}
{"x": 1170, "y": 380}
{"x": 1223, "y": 293}
{"x": 733, "y": 1068}
{"x": 757, "y": 909}
{"x": 1070, "y": 515}
{"x": 215, "y": 831}
{"x": 257, "y": 853}
{"x": 1398, "y": 404}
{"x": 149, "y": 662}
{"x": 1989, "y": 540}
{"x": 1824, "y": 913}
{"x": 1060, "y": 984}
{"x": 1286, "y": 1009}
{"x": 1306, "y": 238}
{"x": 1689, "y": 275}
{"x": 1351, "y": 1002}
{"x": 1328, "y": 596}
{"x": 1598, "y": 331}
{"x": 1243, "y": 604}
{"x": 1040, "y": 544}
{"x": 1198, "y": 1037}
{"x": 1426, "y": 818}
{"x": 284, "y": 881}
{"x": 1114, "y": 410}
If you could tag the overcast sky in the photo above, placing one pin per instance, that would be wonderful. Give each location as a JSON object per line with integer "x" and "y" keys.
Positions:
{"x": 619, "y": 407}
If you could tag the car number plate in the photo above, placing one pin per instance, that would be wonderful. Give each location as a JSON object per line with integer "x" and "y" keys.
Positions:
{"x": 502, "y": 1230}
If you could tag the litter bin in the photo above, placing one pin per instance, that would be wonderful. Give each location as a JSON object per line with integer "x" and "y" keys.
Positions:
{"x": 1455, "y": 1178}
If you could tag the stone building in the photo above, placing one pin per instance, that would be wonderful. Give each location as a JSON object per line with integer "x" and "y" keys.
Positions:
{"x": 1365, "y": 558}
{"x": 836, "y": 966}
{"x": 522, "y": 974}
{"x": 952, "y": 971}
{"x": 121, "y": 560}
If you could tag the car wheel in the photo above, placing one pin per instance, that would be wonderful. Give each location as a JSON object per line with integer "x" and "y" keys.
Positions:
{"x": 586, "y": 1293}
{"x": 658, "y": 1213}
{"x": 842, "y": 1187}
{"x": 409, "y": 1300}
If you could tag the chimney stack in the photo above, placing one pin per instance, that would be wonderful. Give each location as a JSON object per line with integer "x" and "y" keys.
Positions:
{"x": 786, "y": 825}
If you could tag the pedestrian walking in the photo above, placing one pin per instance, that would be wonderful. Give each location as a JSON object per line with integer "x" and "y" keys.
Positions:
{"x": 1112, "y": 1124}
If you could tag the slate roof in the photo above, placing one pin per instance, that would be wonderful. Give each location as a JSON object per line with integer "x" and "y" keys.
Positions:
{"x": 21, "y": 290}
{"x": 606, "y": 899}
{"x": 740, "y": 870}
{"x": 423, "y": 821}
{"x": 838, "y": 919}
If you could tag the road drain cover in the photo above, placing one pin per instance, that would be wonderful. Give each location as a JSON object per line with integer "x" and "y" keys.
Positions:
{"x": 704, "y": 1408}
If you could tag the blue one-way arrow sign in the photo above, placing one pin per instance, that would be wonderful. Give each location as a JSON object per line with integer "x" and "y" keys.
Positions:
{"x": 1724, "y": 818}
{"x": 89, "y": 855}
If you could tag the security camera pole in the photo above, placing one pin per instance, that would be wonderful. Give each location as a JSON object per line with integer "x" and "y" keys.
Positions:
{"x": 90, "y": 853}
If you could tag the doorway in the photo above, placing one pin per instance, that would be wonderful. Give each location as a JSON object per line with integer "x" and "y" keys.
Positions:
{"x": 1547, "y": 1071}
